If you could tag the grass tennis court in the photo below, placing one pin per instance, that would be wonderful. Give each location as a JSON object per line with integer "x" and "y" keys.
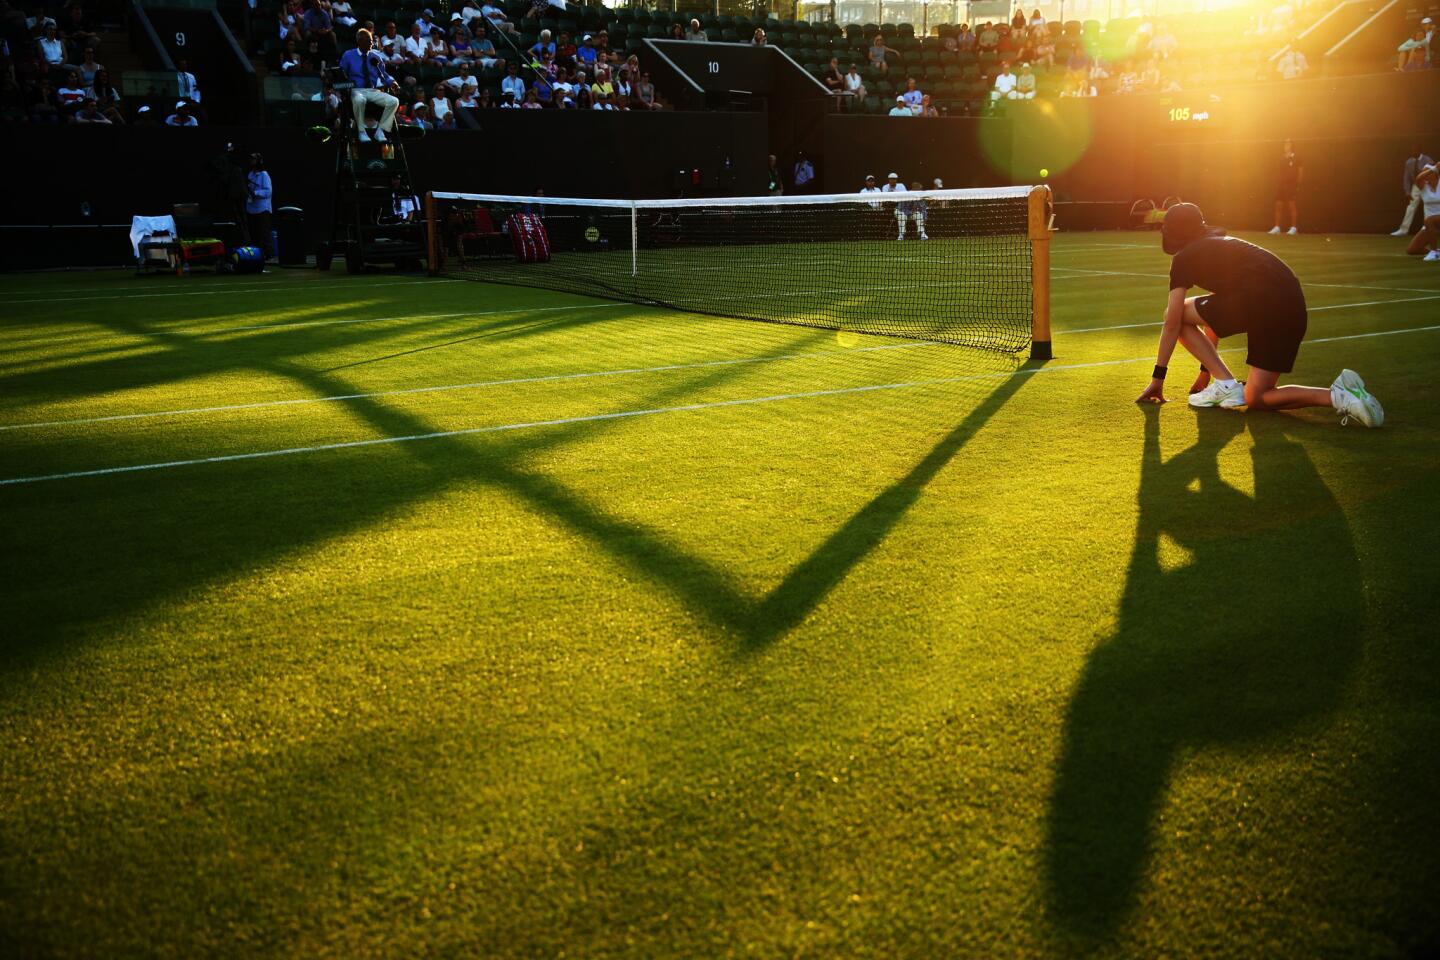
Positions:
{"x": 498, "y": 622}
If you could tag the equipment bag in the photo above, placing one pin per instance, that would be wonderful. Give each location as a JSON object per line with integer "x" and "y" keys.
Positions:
{"x": 247, "y": 260}
{"x": 527, "y": 233}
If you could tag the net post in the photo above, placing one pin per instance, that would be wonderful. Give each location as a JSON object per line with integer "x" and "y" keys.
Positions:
{"x": 432, "y": 244}
{"x": 1039, "y": 232}
{"x": 634, "y": 240}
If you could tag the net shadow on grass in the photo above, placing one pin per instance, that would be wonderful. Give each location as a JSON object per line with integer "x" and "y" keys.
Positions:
{"x": 1241, "y": 620}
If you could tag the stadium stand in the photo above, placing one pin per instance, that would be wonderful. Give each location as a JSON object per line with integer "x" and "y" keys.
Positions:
{"x": 594, "y": 56}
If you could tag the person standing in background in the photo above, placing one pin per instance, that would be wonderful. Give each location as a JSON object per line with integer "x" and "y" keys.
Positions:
{"x": 804, "y": 172}
{"x": 1416, "y": 162}
{"x": 774, "y": 185}
{"x": 1292, "y": 174}
{"x": 258, "y": 190}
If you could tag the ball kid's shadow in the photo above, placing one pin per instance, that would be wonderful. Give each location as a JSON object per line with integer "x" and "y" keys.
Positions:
{"x": 1241, "y": 616}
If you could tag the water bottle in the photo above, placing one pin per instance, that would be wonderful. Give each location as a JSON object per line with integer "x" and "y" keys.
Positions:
{"x": 275, "y": 244}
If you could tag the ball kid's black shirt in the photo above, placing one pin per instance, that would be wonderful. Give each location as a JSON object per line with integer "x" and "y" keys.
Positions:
{"x": 1229, "y": 265}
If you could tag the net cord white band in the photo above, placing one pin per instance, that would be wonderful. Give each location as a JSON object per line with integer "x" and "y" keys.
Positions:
{"x": 821, "y": 199}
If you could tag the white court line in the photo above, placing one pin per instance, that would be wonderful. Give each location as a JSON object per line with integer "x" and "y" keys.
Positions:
{"x": 225, "y": 290}
{"x": 1166, "y": 276}
{"x": 477, "y": 385}
{"x": 584, "y": 375}
{"x": 624, "y": 414}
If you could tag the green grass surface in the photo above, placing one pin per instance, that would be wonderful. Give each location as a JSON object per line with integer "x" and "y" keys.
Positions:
{"x": 989, "y": 662}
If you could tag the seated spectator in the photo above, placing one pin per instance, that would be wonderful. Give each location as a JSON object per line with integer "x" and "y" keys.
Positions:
{"x": 695, "y": 33}
{"x": 562, "y": 91}
{"x": 1005, "y": 82}
{"x": 78, "y": 30}
{"x": 485, "y": 101}
{"x": 965, "y": 39}
{"x": 1093, "y": 78}
{"x": 1037, "y": 25}
{"x": 1025, "y": 83}
{"x": 624, "y": 90}
{"x": 290, "y": 63}
{"x": 436, "y": 49}
{"x": 1292, "y": 65}
{"x": 1010, "y": 42}
{"x": 471, "y": 10}
{"x": 854, "y": 83}
{"x": 1043, "y": 51}
{"x": 89, "y": 113}
{"x": 72, "y": 94}
{"x": 645, "y": 94}
{"x": 331, "y": 100}
{"x": 461, "y": 79}
{"x": 512, "y": 84}
{"x": 467, "y": 96}
{"x": 950, "y": 45}
{"x": 416, "y": 45}
{"x": 602, "y": 87}
{"x": 420, "y": 116}
{"x": 544, "y": 85}
{"x": 51, "y": 47}
{"x": 926, "y": 108}
{"x": 107, "y": 99}
{"x": 342, "y": 13}
{"x": 677, "y": 32}
{"x": 543, "y": 46}
{"x": 440, "y": 102}
{"x": 582, "y": 98}
{"x": 877, "y": 53}
{"x": 565, "y": 50}
{"x": 88, "y": 66}
{"x": 495, "y": 17}
{"x": 989, "y": 39}
{"x": 585, "y": 55}
{"x": 485, "y": 54}
{"x": 320, "y": 32}
{"x": 1017, "y": 22}
{"x": 461, "y": 50}
{"x": 426, "y": 21}
{"x": 632, "y": 63}
{"x": 182, "y": 116}
{"x": 291, "y": 20}
{"x": 834, "y": 80}
{"x": 391, "y": 47}
{"x": 900, "y": 109}
{"x": 758, "y": 40}
{"x": 603, "y": 51}
{"x": 1414, "y": 53}
{"x": 532, "y": 101}
{"x": 912, "y": 95}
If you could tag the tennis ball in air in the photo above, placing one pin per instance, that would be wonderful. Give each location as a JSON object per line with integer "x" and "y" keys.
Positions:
{"x": 1044, "y": 173}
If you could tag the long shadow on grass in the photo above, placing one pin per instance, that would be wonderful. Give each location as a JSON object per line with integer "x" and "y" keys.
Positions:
{"x": 1241, "y": 619}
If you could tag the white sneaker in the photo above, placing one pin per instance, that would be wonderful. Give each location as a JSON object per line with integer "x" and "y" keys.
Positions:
{"x": 1432, "y": 256}
{"x": 1350, "y": 399}
{"x": 1275, "y": 230}
{"x": 380, "y": 138}
{"x": 899, "y": 238}
{"x": 362, "y": 137}
{"x": 1293, "y": 230}
{"x": 1399, "y": 233}
{"x": 924, "y": 236}
{"x": 1217, "y": 395}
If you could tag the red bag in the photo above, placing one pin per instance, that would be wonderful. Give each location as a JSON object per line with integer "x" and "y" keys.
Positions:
{"x": 527, "y": 233}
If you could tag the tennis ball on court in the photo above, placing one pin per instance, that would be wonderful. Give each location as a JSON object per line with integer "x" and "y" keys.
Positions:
{"x": 1044, "y": 172}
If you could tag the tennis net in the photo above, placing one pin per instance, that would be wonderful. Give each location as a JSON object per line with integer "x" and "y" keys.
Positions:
{"x": 960, "y": 266}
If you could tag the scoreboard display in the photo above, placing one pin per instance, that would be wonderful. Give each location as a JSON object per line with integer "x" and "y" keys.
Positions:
{"x": 722, "y": 67}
